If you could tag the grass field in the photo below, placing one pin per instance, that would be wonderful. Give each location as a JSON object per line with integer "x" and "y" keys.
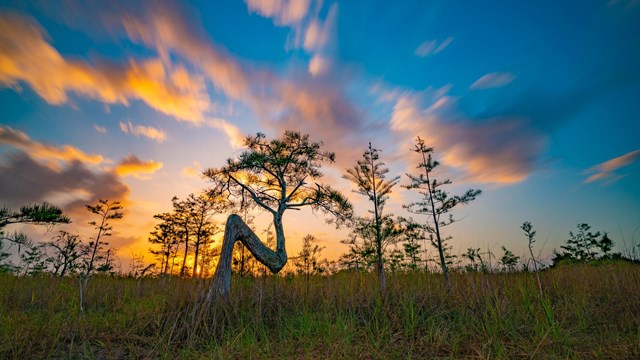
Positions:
{"x": 587, "y": 312}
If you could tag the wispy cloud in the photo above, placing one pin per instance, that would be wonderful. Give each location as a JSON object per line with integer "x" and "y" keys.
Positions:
{"x": 24, "y": 180}
{"x": 492, "y": 80}
{"x": 429, "y": 47}
{"x": 283, "y": 12}
{"x": 27, "y": 57}
{"x": 149, "y": 132}
{"x": 193, "y": 171}
{"x": 309, "y": 31}
{"x": 498, "y": 151}
{"x": 39, "y": 150}
{"x": 607, "y": 170}
{"x": 133, "y": 166}
{"x": 100, "y": 129}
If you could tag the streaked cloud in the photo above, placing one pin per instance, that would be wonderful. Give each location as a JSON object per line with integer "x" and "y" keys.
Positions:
{"x": 24, "y": 180}
{"x": 236, "y": 138}
{"x": 193, "y": 171}
{"x": 133, "y": 166}
{"x": 499, "y": 151}
{"x": 283, "y": 12}
{"x": 100, "y": 129}
{"x": 39, "y": 150}
{"x": 27, "y": 57}
{"x": 607, "y": 170}
{"x": 492, "y": 80}
{"x": 429, "y": 47}
{"x": 149, "y": 132}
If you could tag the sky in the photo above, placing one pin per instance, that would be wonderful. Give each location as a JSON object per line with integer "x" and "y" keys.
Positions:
{"x": 533, "y": 102}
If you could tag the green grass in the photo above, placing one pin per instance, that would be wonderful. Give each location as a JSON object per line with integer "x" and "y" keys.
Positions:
{"x": 587, "y": 312}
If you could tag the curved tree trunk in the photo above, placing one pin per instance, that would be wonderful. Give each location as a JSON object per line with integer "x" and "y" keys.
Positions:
{"x": 237, "y": 230}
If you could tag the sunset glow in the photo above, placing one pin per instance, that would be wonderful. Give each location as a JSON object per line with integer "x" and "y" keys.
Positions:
{"x": 535, "y": 103}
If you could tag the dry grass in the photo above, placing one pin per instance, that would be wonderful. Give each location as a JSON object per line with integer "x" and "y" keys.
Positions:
{"x": 587, "y": 312}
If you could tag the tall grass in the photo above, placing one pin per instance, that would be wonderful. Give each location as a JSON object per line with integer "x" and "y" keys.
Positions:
{"x": 587, "y": 312}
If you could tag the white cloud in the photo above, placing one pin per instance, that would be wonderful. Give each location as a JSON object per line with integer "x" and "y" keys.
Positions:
{"x": 100, "y": 129}
{"x": 145, "y": 131}
{"x": 429, "y": 47}
{"x": 492, "y": 80}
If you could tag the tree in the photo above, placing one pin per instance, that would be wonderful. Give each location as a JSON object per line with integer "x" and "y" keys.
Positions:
{"x": 435, "y": 202}
{"x": 32, "y": 258}
{"x": 165, "y": 235}
{"x": 413, "y": 235}
{"x": 369, "y": 176}
{"x": 36, "y": 214}
{"x": 581, "y": 245}
{"x": 277, "y": 175}
{"x": 530, "y": 234}
{"x": 605, "y": 244}
{"x": 201, "y": 209}
{"x": 66, "y": 248}
{"x": 105, "y": 210}
{"x": 509, "y": 260}
{"x": 307, "y": 259}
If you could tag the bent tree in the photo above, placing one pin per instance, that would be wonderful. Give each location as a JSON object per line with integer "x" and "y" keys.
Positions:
{"x": 276, "y": 175}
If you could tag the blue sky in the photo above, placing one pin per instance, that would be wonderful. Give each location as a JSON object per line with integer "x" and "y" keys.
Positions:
{"x": 534, "y": 102}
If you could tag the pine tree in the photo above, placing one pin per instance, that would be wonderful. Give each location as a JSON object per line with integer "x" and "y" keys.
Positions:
{"x": 435, "y": 202}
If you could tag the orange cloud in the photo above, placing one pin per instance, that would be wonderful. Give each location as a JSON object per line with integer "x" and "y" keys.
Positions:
{"x": 145, "y": 131}
{"x": 22, "y": 141}
{"x": 283, "y": 12}
{"x": 132, "y": 165}
{"x": 499, "y": 151}
{"x": 606, "y": 170}
{"x": 26, "y": 56}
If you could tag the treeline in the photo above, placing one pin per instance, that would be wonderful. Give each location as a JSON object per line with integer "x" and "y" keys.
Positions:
{"x": 273, "y": 176}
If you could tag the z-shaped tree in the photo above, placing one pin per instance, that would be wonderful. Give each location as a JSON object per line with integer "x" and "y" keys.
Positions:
{"x": 277, "y": 175}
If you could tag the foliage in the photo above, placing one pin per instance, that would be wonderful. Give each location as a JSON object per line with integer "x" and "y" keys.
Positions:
{"x": 369, "y": 176}
{"x": 435, "y": 202}
{"x": 584, "y": 246}
{"x": 509, "y": 260}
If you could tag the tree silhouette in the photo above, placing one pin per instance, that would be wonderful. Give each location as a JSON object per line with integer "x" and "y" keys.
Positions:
{"x": 36, "y": 214}
{"x": 105, "y": 210}
{"x": 66, "y": 247}
{"x": 369, "y": 176}
{"x": 581, "y": 245}
{"x": 436, "y": 202}
{"x": 530, "y": 234}
{"x": 277, "y": 175}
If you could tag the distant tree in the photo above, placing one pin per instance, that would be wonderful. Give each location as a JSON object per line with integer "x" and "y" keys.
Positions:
{"x": 369, "y": 175}
{"x": 413, "y": 235}
{"x": 509, "y": 260}
{"x": 476, "y": 261}
{"x": 530, "y": 234}
{"x": 307, "y": 261}
{"x": 36, "y": 214}
{"x": 605, "y": 244}
{"x": 277, "y": 175}
{"x": 202, "y": 208}
{"x": 436, "y": 202}
{"x": 582, "y": 245}
{"x": 395, "y": 260}
{"x": 33, "y": 258}
{"x": 182, "y": 217}
{"x": 66, "y": 252}
{"x": 106, "y": 211}
{"x": 165, "y": 236}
